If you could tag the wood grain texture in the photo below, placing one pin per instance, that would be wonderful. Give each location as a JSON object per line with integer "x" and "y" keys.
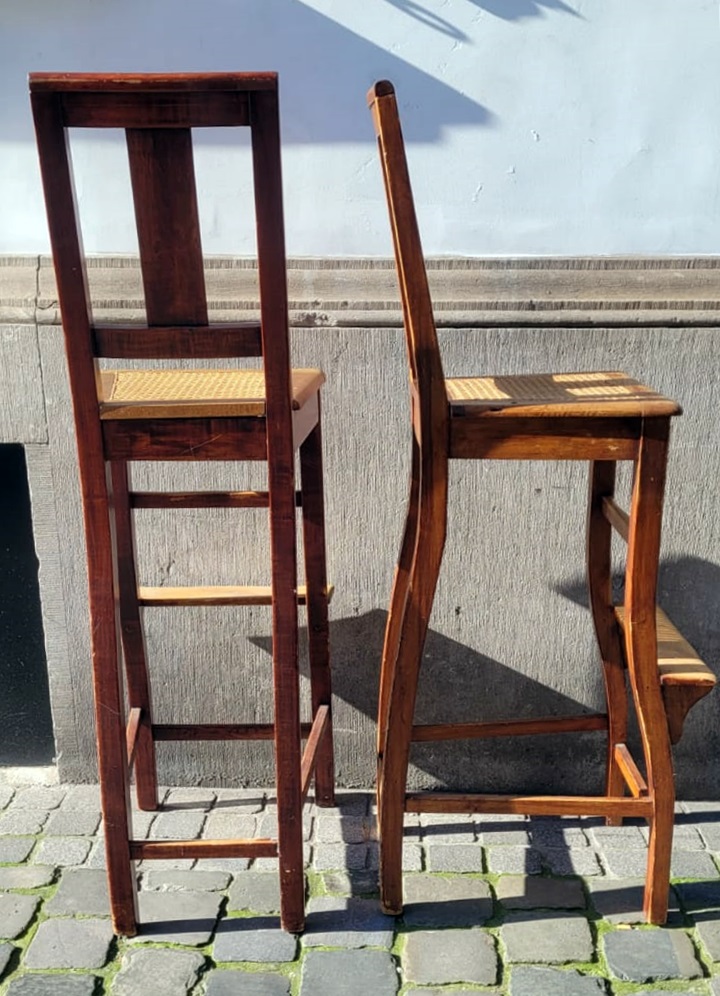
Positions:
{"x": 630, "y": 771}
{"x": 529, "y": 805}
{"x": 513, "y": 727}
{"x": 149, "y": 850}
{"x": 215, "y": 595}
{"x": 172, "y": 342}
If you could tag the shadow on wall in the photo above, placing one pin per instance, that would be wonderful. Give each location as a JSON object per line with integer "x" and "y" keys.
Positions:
{"x": 508, "y": 10}
{"x": 325, "y": 68}
{"x": 458, "y": 684}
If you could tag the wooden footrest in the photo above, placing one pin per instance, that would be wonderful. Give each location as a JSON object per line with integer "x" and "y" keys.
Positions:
{"x": 216, "y": 595}
{"x": 684, "y": 677}
{"x": 144, "y": 850}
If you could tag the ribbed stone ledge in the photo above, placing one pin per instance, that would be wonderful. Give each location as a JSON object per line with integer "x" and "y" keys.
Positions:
{"x": 578, "y": 292}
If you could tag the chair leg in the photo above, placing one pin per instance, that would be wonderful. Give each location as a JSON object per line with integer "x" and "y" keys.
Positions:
{"x": 396, "y": 612}
{"x": 286, "y": 696}
{"x": 401, "y": 675}
{"x": 109, "y": 703}
{"x": 599, "y": 570}
{"x": 133, "y": 641}
{"x": 641, "y": 649}
{"x": 313, "y": 520}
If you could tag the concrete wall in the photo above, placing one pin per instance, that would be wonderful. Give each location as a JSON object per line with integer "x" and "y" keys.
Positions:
{"x": 510, "y": 631}
{"x": 535, "y": 126}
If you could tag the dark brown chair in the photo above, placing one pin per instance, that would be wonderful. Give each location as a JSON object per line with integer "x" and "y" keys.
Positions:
{"x": 188, "y": 414}
{"x": 601, "y": 417}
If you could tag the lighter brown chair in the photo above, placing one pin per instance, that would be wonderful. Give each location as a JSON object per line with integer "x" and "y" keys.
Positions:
{"x": 188, "y": 414}
{"x": 601, "y": 417}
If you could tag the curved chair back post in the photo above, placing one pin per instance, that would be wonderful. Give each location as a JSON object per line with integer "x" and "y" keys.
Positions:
{"x": 426, "y": 369}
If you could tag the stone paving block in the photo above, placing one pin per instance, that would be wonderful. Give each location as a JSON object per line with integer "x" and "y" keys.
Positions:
{"x": 697, "y": 896}
{"x": 6, "y": 794}
{"x": 267, "y": 825}
{"x": 6, "y": 953}
{"x": 26, "y": 877}
{"x": 173, "y": 973}
{"x": 693, "y": 864}
{"x": 514, "y": 860}
{"x": 52, "y": 985}
{"x": 271, "y": 864}
{"x": 256, "y": 939}
{"x": 527, "y": 892}
{"x": 710, "y": 835}
{"x": 82, "y": 797}
{"x": 13, "y": 850}
{"x": 650, "y": 955}
{"x": 503, "y": 833}
{"x": 528, "y": 980}
{"x": 222, "y": 825}
{"x": 454, "y": 857}
{"x": 546, "y": 939}
{"x": 61, "y": 943}
{"x": 186, "y": 881}
{"x": 63, "y": 851}
{"x": 96, "y": 858}
{"x": 257, "y": 891}
{"x": 412, "y": 857}
{"x": 573, "y": 861}
{"x": 141, "y": 822}
{"x": 341, "y": 922}
{"x": 435, "y": 901}
{"x": 348, "y": 973}
{"x": 685, "y": 837}
{"x": 622, "y": 901}
{"x": 16, "y": 912}
{"x": 618, "y": 838}
{"x": 332, "y": 829}
{"x": 714, "y": 986}
{"x": 443, "y": 957}
{"x": 81, "y": 890}
{"x": 557, "y": 832}
{"x": 231, "y": 982}
{"x": 39, "y": 797}
{"x": 448, "y": 833}
{"x": 349, "y": 803}
{"x": 452, "y": 992}
{"x": 177, "y": 825}
{"x": 357, "y": 883}
{"x": 233, "y": 866}
{"x": 177, "y": 917}
{"x": 239, "y": 801}
{"x": 331, "y": 857}
{"x": 189, "y": 798}
{"x": 708, "y": 928}
{"x": 23, "y": 821}
{"x": 72, "y": 823}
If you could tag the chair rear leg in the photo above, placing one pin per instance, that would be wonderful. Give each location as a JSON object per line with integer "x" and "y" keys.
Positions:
{"x": 599, "y": 570}
{"x": 401, "y": 677}
{"x": 313, "y": 520}
{"x": 133, "y": 641}
{"x": 109, "y": 705}
{"x": 641, "y": 649}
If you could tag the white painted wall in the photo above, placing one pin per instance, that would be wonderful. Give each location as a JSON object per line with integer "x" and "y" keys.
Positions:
{"x": 534, "y": 126}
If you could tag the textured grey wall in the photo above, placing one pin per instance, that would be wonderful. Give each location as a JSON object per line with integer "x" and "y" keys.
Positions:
{"x": 510, "y": 633}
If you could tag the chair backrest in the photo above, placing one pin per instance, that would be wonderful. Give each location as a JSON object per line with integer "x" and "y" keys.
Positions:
{"x": 157, "y": 113}
{"x": 426, "y": 370}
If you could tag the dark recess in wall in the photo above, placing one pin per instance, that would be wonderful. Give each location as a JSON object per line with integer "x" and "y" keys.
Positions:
{"x": 26, "y": 734}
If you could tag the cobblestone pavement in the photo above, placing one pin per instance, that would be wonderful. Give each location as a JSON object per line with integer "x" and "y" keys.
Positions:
{"x": 504, "y": 905}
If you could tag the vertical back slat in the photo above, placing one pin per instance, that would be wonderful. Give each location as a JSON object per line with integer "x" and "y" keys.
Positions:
{"x": 168, "y": 226}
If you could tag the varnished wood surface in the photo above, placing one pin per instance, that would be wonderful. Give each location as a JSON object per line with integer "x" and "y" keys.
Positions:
{"x": 513, "y": 727}
{"x": 529, "y": 805}
{"x": 216, "y": 595}
{"x": 600, "y": 416}
{"x": 678, "y": 662}
{"x": 188, "y": 414}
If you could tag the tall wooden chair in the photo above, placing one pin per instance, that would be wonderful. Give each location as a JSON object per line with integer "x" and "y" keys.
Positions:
{"x": 188, "y": 414}
{"x": 601, "y": 417}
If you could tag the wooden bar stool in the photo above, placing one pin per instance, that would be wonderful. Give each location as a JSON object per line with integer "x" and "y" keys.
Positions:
{"x": 188, "y": 414}
{"x": 602, "y": 417}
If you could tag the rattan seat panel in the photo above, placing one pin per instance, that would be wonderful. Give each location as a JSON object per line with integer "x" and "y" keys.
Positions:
{"x": 599, "y": 393}
{"x": 140, "y": 394}
{"x": 678, "y": 661}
